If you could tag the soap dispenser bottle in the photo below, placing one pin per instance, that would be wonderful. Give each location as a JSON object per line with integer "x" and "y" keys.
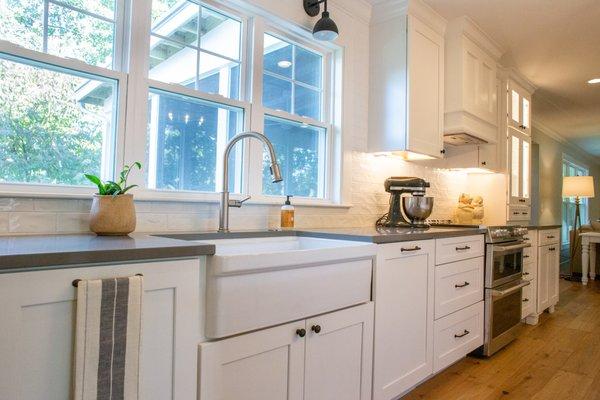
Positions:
{"x": 287, "y": 214}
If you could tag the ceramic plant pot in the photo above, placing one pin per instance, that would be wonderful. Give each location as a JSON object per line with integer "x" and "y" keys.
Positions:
{"x": 112, "y": 215}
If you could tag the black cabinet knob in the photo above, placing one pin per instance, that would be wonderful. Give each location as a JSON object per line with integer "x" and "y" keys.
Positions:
{"x": 443, "y": 151}
{"x": 301, "y": 332}
{"x": 484, "y": 163}
{"x": 316, "y": 328}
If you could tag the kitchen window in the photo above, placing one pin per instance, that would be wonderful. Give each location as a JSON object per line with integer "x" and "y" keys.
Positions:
{"x": 570, "y": 168}
{"x": 168, "y": 82}
{"x": 60, "y": 93}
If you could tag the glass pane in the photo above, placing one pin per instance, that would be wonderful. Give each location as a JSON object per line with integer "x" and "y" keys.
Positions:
{"x": 515, "y": 107}
{"x": 525, "y": 112}
{"x": 186, "y": 137}
{"x": 308, "y": 67}
{"x": 288, "y": 65}
{"x": 55, "y": 126}
{"x": 172, "y": 62}
{"x": 300, "y": 153}
{"x": 526, "y": 157}
{"x": 77, "y": 35}
{"x": 224, "y": 75}
{"x": 220, "y": 34}
{"x": 105, "y": 8}
{"x": 176, "y": 20}
{"x": 277, "y": 93}
{"x": 21, "y": 22}
{"x": 515, "y": 167}
{"x": 307, "y": 102}
{"x": 278, "y": 56}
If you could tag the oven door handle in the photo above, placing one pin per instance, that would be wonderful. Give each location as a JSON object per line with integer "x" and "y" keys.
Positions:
{"x": 506, "y": 292}
{"x": 500, "y": 250}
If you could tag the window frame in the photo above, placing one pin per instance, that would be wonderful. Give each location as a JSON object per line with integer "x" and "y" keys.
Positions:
{"x": 131, "y": 49}
{"x": 57, "y": 63}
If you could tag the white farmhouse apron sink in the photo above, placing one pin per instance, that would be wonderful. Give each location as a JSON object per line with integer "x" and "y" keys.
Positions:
{"x": 259, "y": 282}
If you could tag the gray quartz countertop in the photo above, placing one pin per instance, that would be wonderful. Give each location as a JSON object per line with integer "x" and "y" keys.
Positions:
{"x": 540, "y": 227}
{"x": 390, "y": 235}
{"x": 19, "y": 252}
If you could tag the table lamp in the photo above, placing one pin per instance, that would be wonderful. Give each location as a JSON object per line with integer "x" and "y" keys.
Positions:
{"x": 578, "y": 187}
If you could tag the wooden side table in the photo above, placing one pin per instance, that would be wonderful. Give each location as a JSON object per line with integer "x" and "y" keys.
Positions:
{"x": 588, "y": 255}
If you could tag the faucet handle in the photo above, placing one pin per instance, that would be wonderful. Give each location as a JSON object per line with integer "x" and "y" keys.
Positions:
{"x": 238, "y": 203}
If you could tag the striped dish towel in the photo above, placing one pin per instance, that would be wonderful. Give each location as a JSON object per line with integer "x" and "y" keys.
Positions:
{"x": 108, "y": 337}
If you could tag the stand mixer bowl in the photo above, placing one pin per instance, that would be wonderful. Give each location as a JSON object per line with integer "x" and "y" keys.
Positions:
{"x": 417, "y": 208}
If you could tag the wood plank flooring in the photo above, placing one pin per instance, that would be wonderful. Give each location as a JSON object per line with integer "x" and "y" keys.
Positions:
{"x": 557, "y": 359}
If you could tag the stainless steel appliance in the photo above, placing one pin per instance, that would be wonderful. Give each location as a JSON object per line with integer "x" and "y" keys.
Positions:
{"x": 503, "y": 286}
{"x": 410, "y": 210}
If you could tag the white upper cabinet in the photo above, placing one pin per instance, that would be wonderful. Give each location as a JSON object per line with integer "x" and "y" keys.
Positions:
{"x": 519, "y": 107}
{"x": 407, "y": 79}
{"x": 471, "y": 100}
{"x": 519, "y": 165}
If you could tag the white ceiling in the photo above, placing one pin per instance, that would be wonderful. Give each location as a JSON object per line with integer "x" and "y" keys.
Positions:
{"x": 556, "y": 45}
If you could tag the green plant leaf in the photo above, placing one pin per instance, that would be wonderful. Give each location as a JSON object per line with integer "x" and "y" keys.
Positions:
{"x": 127, "y": 188}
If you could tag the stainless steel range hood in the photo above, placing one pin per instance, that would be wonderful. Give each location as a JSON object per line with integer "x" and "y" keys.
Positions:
{"x": 462, "y": 139}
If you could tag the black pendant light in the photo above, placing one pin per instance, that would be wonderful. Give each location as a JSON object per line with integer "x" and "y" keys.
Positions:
{"x": 325, "y": 29}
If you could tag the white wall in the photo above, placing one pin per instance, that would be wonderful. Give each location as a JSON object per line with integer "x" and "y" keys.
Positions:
{"x": 363, "y": 175}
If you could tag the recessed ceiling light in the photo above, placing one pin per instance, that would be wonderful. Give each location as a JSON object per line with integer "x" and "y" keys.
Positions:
{"x": 594, "y": 81}
{"x": 284, "y": 64}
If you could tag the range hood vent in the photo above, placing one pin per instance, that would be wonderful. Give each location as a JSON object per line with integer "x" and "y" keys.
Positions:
{"x": 462, "y": 139}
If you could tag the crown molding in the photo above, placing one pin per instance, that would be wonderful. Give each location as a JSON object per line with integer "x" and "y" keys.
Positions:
{"x": 553, "y": 134}
{"x": 521, "y": 79}
{"x": 384, "y": 10}
{"x": 464, "y": 25}
{"x": 359, "y": 9}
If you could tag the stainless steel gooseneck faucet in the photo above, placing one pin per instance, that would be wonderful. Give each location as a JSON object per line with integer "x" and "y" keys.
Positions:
{"x": 225, "y": 202}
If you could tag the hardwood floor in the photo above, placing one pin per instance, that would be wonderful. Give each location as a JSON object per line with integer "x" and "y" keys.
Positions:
{"x": 557, "y": 359}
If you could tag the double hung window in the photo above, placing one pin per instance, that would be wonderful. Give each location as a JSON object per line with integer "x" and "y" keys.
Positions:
{"x": 69, "y": 96}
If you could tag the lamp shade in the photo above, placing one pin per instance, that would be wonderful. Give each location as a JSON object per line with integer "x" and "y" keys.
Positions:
{"x": 578, "y": 186}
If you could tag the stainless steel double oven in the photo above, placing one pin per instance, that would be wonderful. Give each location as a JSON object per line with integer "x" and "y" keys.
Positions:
{"x": 503, "y": 286}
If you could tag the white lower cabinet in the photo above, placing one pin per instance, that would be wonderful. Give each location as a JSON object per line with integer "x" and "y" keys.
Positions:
{"x": 37, "y": 329}
{"x": 403, "y": 291}
{"x": 529, "y": 299}
{"x": 326, "y": 357}
{"x": 548, "y": 276}
{"x": 457, "y": 334}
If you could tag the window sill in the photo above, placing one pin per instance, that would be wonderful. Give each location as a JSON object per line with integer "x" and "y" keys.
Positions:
{"x": 86, "y": 193}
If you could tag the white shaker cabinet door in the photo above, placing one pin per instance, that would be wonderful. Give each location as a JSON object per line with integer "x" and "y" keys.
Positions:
{"x": 37, "y": 329}
{"x": 548, "y": 276}
{"x": 404, "y": 306}
{"x": 339, "y": 349}
{"x": 266, "y": 364}
{"x": 426, "y": 89}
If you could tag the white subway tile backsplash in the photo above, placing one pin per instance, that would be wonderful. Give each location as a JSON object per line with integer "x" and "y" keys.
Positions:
{"x": 368, "y": 198}
{"x": 32, "y": 222}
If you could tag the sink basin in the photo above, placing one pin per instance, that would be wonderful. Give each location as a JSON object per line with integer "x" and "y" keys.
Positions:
{"x": 245, "y": 255}
{"x": 253, "y": 283}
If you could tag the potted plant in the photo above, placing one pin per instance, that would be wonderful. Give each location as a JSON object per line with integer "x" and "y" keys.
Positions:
{"x": 113, "y": 210}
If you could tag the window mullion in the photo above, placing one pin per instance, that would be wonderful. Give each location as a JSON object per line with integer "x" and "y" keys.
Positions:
{"x": 257, "y": 115}
{"x": 45, "y": 34}
{"x": 137, "y": 88}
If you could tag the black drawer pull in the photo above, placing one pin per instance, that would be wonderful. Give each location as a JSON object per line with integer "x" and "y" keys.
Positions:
{"x": 463, "y": 248}
{"x": 525, "y": 273}
{"x": 462, "y": 285}
{"x": 416, "y": 248}
{"x": 522, "y": 200}
{"x": 301, "y": 332}
{"x": 525, "y": 300}
{"x": 465, "y": 333}
{"x": 316, "y": 328}
{"x": 552, "y": 248}
{"x": 525, "y": 256}
{"x": 550, "y": 237}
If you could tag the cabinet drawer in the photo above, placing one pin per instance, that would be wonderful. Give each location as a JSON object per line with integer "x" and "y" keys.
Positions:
{"x": 456, "y": 335}
{"x": 458, "y": 285}
{"x": 529, "y": 299}
{"x": 458, "y": 248}
{"x": 530, "y": 255}
{"x": 549, "y": 236}
{"x": 530, "y": 271}
{"x": 519, "y": 213}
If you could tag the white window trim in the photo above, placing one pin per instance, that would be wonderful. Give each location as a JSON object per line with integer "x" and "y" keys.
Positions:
{"x": 131, "y": 57}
